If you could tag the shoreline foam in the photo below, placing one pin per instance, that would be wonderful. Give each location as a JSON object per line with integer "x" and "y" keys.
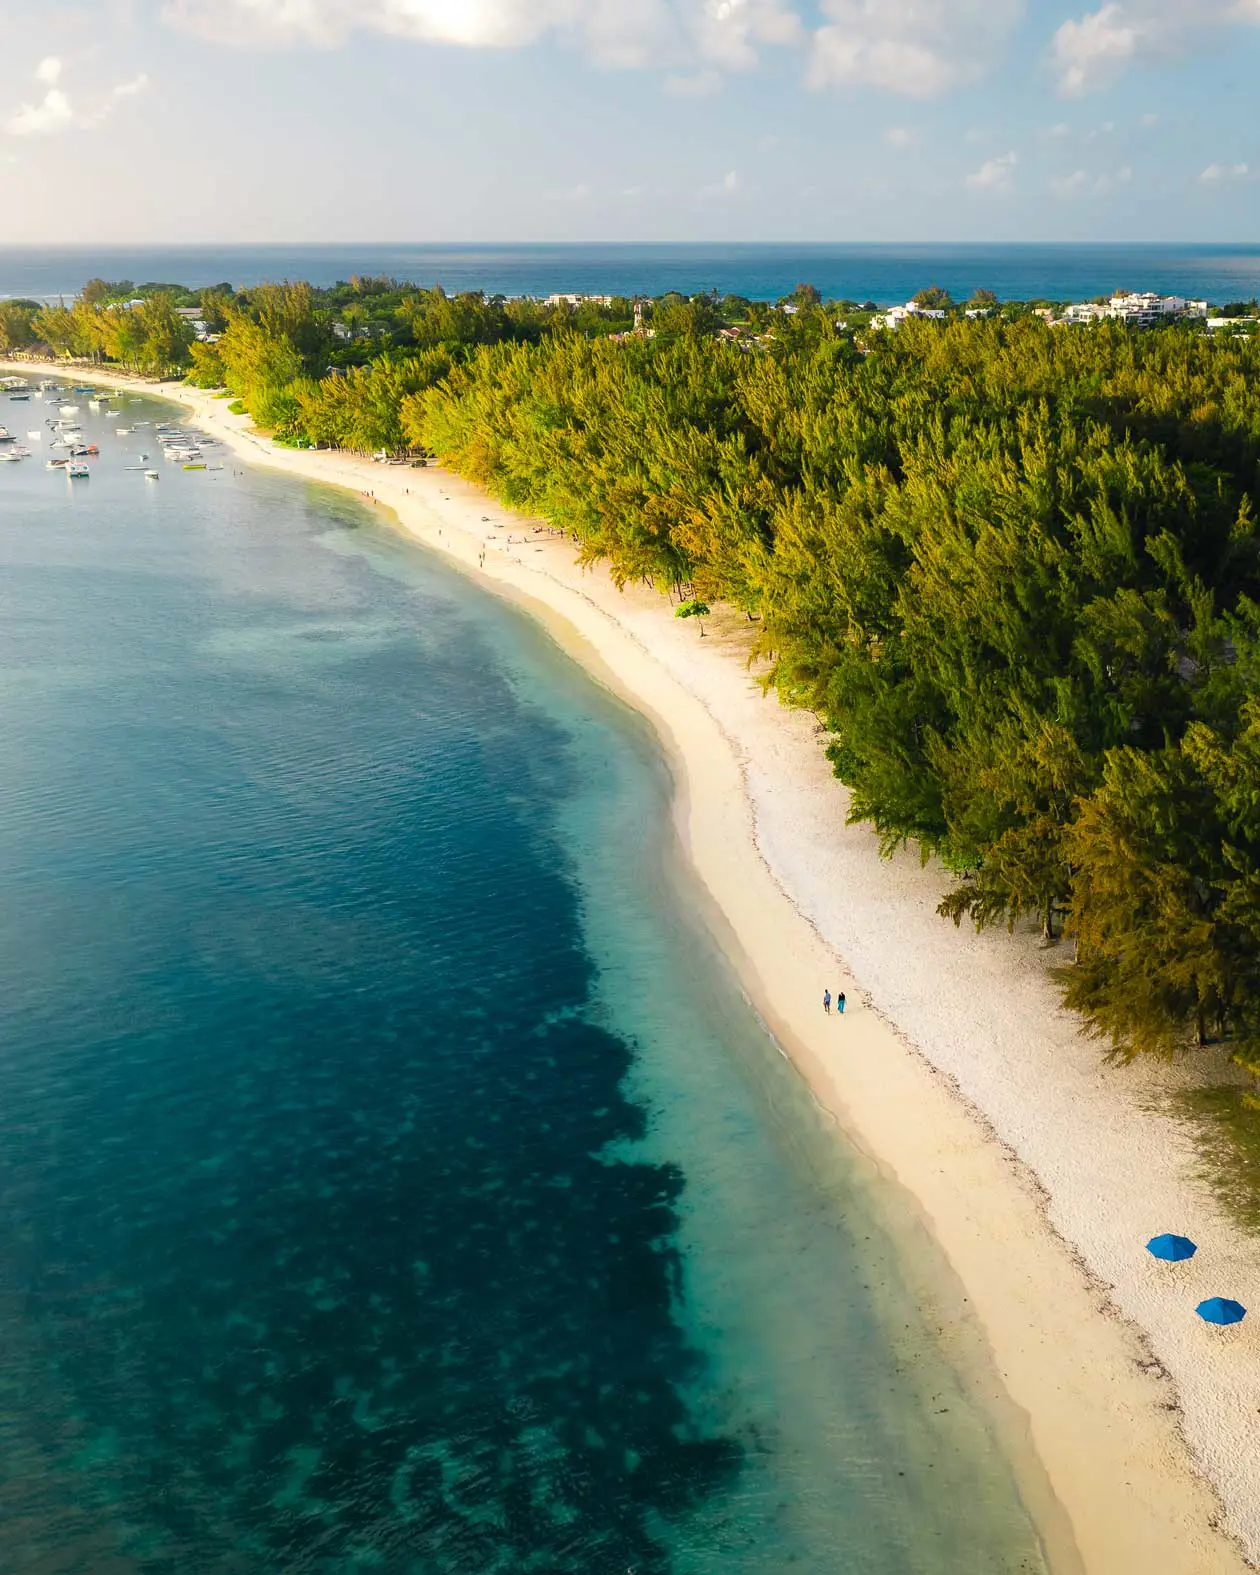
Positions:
{"x": 1039, "y": 1171}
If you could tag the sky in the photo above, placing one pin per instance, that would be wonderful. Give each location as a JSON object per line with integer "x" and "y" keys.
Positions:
{"x": 184, "y": 121}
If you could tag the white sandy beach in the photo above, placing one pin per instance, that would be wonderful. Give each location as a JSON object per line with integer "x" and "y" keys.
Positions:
{"x": 1041, "y": 1171}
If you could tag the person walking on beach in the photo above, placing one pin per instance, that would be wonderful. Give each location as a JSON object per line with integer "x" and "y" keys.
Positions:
{"x": 840, "y": 1003}
{"x": 827, "y": 1002}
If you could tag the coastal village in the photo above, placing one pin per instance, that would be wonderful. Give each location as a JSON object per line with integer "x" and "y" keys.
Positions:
{"x": 621, "y": 318}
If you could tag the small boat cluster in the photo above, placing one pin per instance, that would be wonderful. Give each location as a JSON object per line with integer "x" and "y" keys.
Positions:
{"x": 180, "y": 445}
{"x": 185, "y": 447}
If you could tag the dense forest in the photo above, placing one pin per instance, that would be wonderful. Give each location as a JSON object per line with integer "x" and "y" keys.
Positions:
{"x": 1014, "y": 568}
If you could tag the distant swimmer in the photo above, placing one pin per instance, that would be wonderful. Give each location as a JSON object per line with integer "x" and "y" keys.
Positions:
{"x": 827, "y": 1002}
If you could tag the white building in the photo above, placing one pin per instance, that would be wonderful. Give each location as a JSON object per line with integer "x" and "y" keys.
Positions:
{"x": 1085, "y": 312}
{"x": 1147, "y": 307}
{"x": 896, "y": 315}
{"x": 1140, "y": 309}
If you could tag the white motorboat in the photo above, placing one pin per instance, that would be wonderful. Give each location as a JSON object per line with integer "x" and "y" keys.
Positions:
{"x": 77, "y": 471}
{"x": 68, "y": 410}
{"x": 153, "y": 475}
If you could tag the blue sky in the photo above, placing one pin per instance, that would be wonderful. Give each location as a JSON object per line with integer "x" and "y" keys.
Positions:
{"x": 816, "y": 120}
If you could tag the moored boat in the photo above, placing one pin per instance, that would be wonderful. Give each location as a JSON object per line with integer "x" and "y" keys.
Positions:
{"x": 153, "y": 475}
{"x": 77, "y": 470}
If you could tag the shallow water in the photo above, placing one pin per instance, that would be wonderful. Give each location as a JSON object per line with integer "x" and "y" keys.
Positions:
{"x": 392, "y": 1176}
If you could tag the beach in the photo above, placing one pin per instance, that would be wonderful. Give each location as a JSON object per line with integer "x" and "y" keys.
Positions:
{"x": 1040, "y": 1170}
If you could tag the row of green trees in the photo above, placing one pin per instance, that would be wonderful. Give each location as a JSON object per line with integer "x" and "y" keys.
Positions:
{"x": 344, "y": 367}
{"x": 149, "y": 337}
{"x": 1015, "y": 569}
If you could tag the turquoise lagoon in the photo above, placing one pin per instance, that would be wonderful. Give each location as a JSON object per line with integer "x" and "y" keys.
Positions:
{"x": 392, "y": 1175}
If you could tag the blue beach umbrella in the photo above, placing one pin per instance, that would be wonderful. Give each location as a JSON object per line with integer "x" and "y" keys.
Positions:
{"x": 1172, "y": 1249}
{"x": 1219, "y": 1309}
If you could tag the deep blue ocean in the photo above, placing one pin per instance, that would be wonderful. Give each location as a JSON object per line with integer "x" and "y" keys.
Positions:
{"x": 392, "y": 1176}
{"x": 884, "y": 274}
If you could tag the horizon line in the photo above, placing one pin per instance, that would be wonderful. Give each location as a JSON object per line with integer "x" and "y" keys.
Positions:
{"x": 90, "y": 246}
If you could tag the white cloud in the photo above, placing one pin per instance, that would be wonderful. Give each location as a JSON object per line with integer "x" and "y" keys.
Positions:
{"x": 1097, "y": 47}
{"x": 900, "y": 137}
{"x": 1059, "y": 131}
{"x": 1080, "y": 183}
{"x": 921, "y": 48}
{"x": 52, "y": 113}
{"x": 727, "y": 34}
{"x": 1091, "y": 51}
{"x": 996, "y": 174}
{"x": 1215, "y": 173}
{"x": 1069, "y": 185}
{"x": 694, "y": 84}
{"x": 55, "y": 112}
{"x": 729, "y": 186}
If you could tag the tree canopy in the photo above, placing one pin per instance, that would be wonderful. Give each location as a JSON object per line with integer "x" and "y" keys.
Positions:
{"x": 1015, "y": 568}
